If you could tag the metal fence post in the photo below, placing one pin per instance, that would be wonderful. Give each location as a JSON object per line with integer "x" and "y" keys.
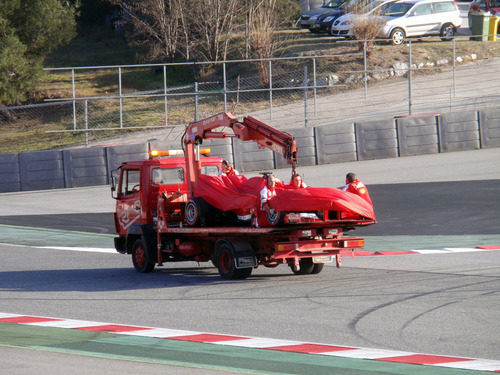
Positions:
{"x": 409, "y": 78}
{"x": 225, "y": 85}
{"x": 314, "y": 89}
{"x": 165, "y": 92}
{"x": 366, "y": 72}
{"x": 86, "y": 124}
{"x": 305, "y": 95}
{"x": 270, "y": 90}
{"x": 196, "y": 101}
{"x": 454, "y": 66}
{"x": 120, "y": 94}
{"x": 74, "y": 95}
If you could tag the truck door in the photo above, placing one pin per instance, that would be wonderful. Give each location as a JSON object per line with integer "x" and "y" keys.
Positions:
{"x": 128, "y": 205}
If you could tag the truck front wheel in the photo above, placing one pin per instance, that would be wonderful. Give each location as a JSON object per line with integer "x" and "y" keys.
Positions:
{"x": 141, "y": 258}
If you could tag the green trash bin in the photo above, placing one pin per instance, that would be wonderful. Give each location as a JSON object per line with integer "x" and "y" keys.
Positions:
{"x": 480, "y": 27}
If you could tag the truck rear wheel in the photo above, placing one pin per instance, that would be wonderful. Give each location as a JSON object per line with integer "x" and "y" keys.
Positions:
{"x": 142, "y": 258}
{"x": 306, "y": 267}
{"x": 226, "y": 263}
{"x": 318, "y": 267}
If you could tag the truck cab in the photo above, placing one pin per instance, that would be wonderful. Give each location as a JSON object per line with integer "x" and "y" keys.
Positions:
{"x": 142, "y": 183}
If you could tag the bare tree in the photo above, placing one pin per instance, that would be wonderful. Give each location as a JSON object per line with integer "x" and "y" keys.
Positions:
{"x": 157, "y": 26}
{"x": 212, "y": 26}
{"x": 263, "y": 24}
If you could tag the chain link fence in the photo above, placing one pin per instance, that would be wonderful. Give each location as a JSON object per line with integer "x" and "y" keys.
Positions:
{"x": 285, "y": 92}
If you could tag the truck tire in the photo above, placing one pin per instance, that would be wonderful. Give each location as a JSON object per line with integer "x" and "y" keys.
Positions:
{"x": 318, "y": 267}
{"x": 306, "y": 267}
{"x": 224, "y": 257}
{"x": 142, "y": 258}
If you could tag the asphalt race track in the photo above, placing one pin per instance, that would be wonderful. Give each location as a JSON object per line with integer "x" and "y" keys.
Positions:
{"x": 445, "y": 304}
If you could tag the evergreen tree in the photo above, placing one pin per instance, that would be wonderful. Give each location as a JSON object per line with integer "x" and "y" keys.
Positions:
{"x": 29, "y": 30}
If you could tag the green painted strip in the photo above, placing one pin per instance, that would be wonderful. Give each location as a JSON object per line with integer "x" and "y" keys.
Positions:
{"x": 198, "y": 355}
{"x": 30, "y": 236}
{"x": 402, "y": 243}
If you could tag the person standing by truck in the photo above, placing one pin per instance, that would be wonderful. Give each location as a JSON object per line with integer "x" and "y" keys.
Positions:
{"x": 267, "y": 192}
{"x": 297, "y": 181}
{"x": 228, "y": 170}
{"x": 354, "y": 185}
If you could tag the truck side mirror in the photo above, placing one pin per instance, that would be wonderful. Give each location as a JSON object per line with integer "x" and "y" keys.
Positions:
{"x": 114, "y": 194}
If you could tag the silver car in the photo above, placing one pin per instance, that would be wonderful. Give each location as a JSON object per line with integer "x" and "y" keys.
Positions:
{"x": 409, "y": 18}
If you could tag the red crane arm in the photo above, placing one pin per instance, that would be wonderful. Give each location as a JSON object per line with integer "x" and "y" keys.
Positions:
{"x": 250, "y": 129}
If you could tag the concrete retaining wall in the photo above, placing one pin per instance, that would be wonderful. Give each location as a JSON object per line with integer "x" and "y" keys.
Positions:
{"x": 248, "y": 157}
{"x": 41, "y": 170}
{"x": 459, "y": 131}
{"x": 489, "y": 122}
{"x": 10, "y": 179}
{"x": 376, "y": 140}
{"x": 306, "y": 144}
{"x": 413, "y": 135}
{"x": 119, "y": 154}
{"x": 417, "y": 135}
{"x": 335, "y": 143}
{"x": 85, "y": 167}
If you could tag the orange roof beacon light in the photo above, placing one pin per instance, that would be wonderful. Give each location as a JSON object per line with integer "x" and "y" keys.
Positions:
{"x": 161, "y": 153}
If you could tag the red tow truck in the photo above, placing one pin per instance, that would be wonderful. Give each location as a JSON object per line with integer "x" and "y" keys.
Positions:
{"x": 160, "y": 219}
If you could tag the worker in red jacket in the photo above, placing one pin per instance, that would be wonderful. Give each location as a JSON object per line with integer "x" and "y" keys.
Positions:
{"x": 354, "y": 185}
{"x": 228, "y": 170}
{"x": 297, "y": 181}
{"x": 267, "y": 192}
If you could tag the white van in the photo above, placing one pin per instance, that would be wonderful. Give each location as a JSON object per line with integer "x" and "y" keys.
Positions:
{"x": 409, "y": 18}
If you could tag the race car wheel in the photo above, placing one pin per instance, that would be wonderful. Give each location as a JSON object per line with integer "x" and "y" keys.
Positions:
{"x": 273, "y": 217}
{"x": 199, "y": 213}
{"x": 142, "y": 258}
{"x": 193, "y": 213}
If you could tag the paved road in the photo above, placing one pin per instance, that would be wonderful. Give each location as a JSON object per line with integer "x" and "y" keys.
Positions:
{"x": 419, "y": 303}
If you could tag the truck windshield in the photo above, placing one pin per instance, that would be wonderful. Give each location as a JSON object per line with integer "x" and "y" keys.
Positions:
{"x": 211, "y": 170}
{"x": 168, "y": 176}
{"x": 175, "y": 176}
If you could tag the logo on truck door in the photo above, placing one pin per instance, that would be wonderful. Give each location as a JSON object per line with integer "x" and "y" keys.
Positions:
{"x": 130, "y": 214}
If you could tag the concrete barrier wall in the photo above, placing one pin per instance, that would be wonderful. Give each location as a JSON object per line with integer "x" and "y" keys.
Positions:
{"x": 41, "y": 170}
{"x": 489, "y": 124}
{"x": 10, "y": 179}
{"x": 458, "y": 131}
{"x": 222, "y": 148}
{"x": 85, "y": 167}
{"x": 376, "y": 140}
{"x": 306, "y": 144}
{"x": 337, "y": 143}
{"x": 119, "y": 154}
{"x": 417, "y": 135}
{"x": 248, "y": 157}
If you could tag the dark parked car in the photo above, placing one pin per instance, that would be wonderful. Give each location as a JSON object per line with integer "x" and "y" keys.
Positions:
{"x": 308, "y": 20}
{"x": 324, "y": 21}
